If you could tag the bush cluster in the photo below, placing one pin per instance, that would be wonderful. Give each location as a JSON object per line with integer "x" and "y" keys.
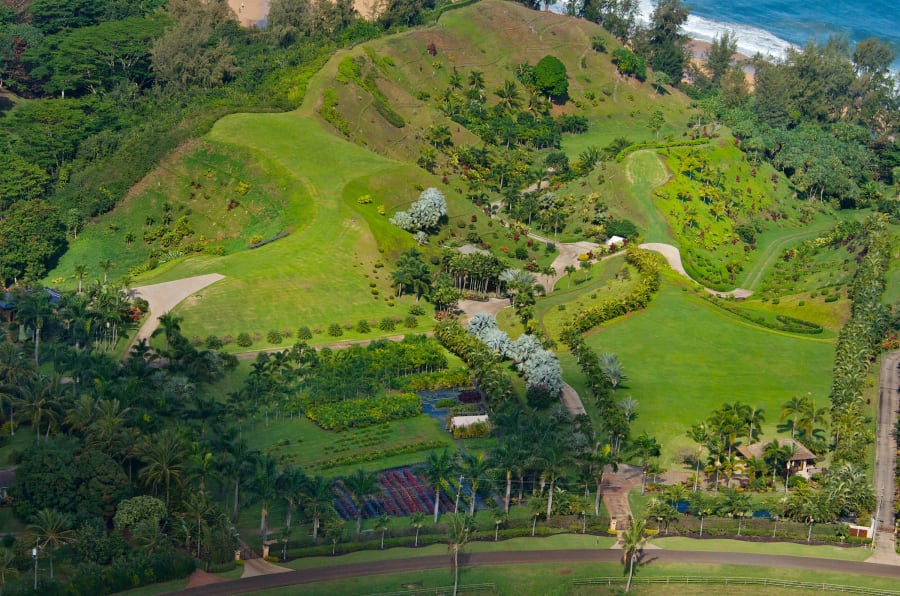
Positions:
{"x": 363, "y": 411}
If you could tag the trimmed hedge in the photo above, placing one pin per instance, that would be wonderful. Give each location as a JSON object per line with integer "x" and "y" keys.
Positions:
{"x": 376, "y": 454}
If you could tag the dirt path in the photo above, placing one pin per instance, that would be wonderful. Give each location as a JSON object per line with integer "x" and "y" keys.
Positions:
{"x": 572, "y": 401}
{"x": 257, "y": 567}
{"x": 885, "y": 456}
{"x": 673, "y": 257}
{"x": 165, "y": 296}
{"x": 415, "y": 565}
{"x": 567, "y": 254}
{"x": 615, "y": 487}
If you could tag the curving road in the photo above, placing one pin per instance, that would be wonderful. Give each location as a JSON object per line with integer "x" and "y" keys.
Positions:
{"x": 562, "y": 557}
{"x": 673, "y": 257}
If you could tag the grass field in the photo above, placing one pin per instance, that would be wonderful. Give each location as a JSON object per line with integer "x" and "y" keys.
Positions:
{"x": 684, "y": 358}
{"x": 301, "y": 443}
{"x": 765, "y": 548}
{"x": 553, "y": 579}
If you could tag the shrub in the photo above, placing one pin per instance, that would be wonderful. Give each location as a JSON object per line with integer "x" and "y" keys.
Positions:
{"x": 274, "y": 337}
{"x": 416, "y": 310}
{"x": 335, "y": 330}
{"x": 304, "y": 333}
{"x": 387, "y": 324}
{"x": 213, "y": 342}
{"x": 362, "y": 326}
{"x": 243, "y": 340}
{"x": 364, "y": 411}
{"x": 411, "y": 322}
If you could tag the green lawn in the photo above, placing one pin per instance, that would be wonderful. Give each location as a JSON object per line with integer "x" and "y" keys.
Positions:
{"x": 555, "y": 579}
{"x": 765, "y": 548}
{"x": 302, "y": 443}
{"x": 684, "y": 358}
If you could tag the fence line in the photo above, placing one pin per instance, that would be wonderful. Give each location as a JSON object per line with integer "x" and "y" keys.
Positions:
{"x": 757, "y": 581}
{"x": 488, "y": 587}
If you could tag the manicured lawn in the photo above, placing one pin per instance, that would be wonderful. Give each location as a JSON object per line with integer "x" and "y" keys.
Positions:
{"x": 546, "y": 579}
{"x": 304, "y": 444}
{"x": 765, "y": 548}
{"x": 684, "y": 358}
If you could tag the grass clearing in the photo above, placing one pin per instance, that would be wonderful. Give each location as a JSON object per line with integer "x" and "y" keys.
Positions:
{"x": 684, "y": 358}
{"x": 302, "y": 443}
{"x": 556, "y": 579}
{"x": 765, "y": 548}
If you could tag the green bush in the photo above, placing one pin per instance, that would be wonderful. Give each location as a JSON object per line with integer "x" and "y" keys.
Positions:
{"x": 213, "y": 342}
{"x": 244, "y": 340}
{"x": 363, "y": 411}
{"x": 274, "y": 337}
{"x": 335, "y": 330}
{"x": 387, "y": 324}
{"x": 411, "y": 322}
{"x": 362, "y": 326}
{"x": 304, "y": 333}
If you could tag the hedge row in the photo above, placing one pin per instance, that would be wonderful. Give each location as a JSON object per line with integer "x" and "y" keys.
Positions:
{"x": 490, "y": 376}
{"x": 859, "y": 343}
{"x": 647, "y": 264}
{"x": 781, "y": 323}
{"x": 364, "y": 411}
{"x": 376, "y": 454}
{"x": 651, "y": 145}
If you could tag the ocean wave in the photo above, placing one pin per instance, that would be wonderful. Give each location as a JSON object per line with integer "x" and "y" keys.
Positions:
{"x": 750, "y": 40}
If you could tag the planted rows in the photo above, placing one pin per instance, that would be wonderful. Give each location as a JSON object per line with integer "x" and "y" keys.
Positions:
{"x": 401, "y": 493}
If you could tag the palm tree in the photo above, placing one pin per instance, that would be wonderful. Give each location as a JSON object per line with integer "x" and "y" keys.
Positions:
{"x": 736, "y": 504}
{"x": 645, "y": 447}
{"x": 702, "y": 506}
{"x": 474, "y": 467}
{"x": 754, "y": 418}
{"x": 793, "y": 410}
{"x": 383, "y": 523}
{"x": 633, "y": 540}
{"x": 41, "y": 403}
{"x": 600, "y": 458}
{"x": 317, "y": 501}
{"x": 16, "y": 371}
{"x": 266, "y": 486}
{"x": 291, "y": 483}
{"x": 438, "y": 468}
{"x": 197, "y": 508}
{"x": 170, "y": 326}
{"x": 34, "y": 309}
{"x": 7, "y": 569}
{"x": 504, "y": 460}
{"x": 238, "y": 464}
{"x": 360, "y": 485}
{"x": 52, "y": 529}
{"x": 163, "y": 454}
{"x": 105, "y": 265}
{"x": 417, "y": 520}
{"x": 554, "y": 458}
{"x": 509, "y": 96}
{"x": 700, "y": 434}
{"x": 81, "y": 272}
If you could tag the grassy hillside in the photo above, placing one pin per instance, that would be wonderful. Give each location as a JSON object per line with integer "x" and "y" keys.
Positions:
{"x": 258, "y": 175}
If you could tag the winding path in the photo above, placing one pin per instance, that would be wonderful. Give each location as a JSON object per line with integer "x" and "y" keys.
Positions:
{"x": 163, "y": 297}
{"x": 562, "y": 557}
{"x": 673, "y": 257}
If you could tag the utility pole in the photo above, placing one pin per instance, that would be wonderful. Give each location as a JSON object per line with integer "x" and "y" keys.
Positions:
{"x": 34, "y": 555}
{"x": 458, "y": 490}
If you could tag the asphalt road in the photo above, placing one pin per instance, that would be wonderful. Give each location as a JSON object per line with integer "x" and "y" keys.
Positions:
{"x": 562, "y": 557}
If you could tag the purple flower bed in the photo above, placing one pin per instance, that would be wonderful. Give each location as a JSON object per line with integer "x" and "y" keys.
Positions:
{"x": 402, "y": 493}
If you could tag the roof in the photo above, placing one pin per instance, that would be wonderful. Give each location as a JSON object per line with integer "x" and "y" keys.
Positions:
{"x": 8, "y": 302}
{"x": 465, "y": 421}
{"x": 7, "y": 477}
{"x": 613, "y": 240}
{"x": 756, "y": 450}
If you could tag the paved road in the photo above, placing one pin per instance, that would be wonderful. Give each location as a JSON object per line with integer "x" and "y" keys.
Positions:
{"x": 885, "y": 454}
{"x": 673, "y": 257}
{"x": 562, "y": 557}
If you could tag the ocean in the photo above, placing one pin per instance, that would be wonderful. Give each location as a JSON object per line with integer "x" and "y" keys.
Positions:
{"x": 771, "y": 26}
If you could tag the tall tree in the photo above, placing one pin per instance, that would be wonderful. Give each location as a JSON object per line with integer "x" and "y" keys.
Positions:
{"x": 633, "y": 540}
{"x": 439, "y": 467}
{"x": 53, "y": 531}
{"x": 360, "y": 485}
